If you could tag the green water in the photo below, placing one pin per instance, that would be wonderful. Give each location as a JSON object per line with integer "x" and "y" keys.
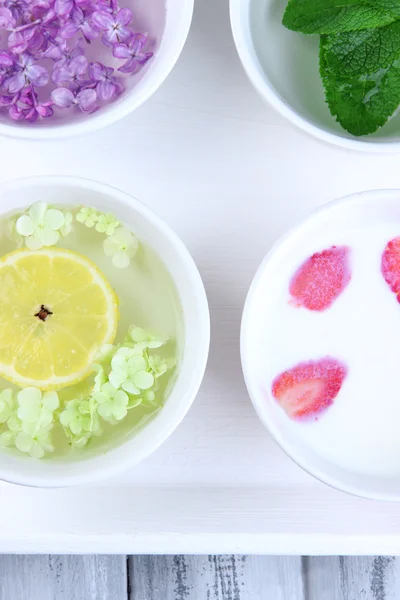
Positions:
{"x": 147, "y": 298}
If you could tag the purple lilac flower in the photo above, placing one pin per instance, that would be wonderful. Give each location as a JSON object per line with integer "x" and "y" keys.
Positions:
{"x": 40, "y": 39}
{"x": 41, "y": 30}
{"x": 70, "y": 52}
{"x": 19, "y": 8}
{"x": 21, "y": 37}
{"x": 45, "y": 109}
{"x": 26, "y": 72}
{"x": 107, "y": 87}
{"x": 5, "y": 100}
{"x": 7, "y": 20}
{"x": 6, "y": 66}
{"x": 22, "y": 108}
{"x": 17, "y": 42}
{"x": 72, "y": 73}
{"x": 133, "y": 53}
{"x": 63, "y": 7}
{"x": 63, "y": 52}
{"x": 110, "y": 6}
{"x": 79, "y": 21}
{"x": 55, "y": 50}
{"x": 86, "y": 100}
{"x": 42, "y": 9}
{"x": 115, "y": 27}
{"x": 25, "y": 106}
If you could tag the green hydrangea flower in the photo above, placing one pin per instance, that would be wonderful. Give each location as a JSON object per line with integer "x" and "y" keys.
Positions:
{"x": 14, "y": 424}
{"x": 99, "y": 379}
{"x": 76, "y": 417}
{"x": 143, "y": 339}
{"x": 7, "y": 404}
{"x": 106, "y": 223}
{"x": 34, "y": 440}
{"x": 126, "y": 376}
{"x": 122, "y": 245}
{"x": 35, "y": 407}
{"x": 7, "y": 438}
{"x": 135, "y": 401}
{"x": 67, "y": 227}
{"x": 158, "y": 365}
{"x": 40, "y": 226}
{"x": 88, "y": 216}
{"x": 30, "y": 420}
{"x": 129, "y": 371}
{"x": 149, "y": 396}
{"x": 105, "y": 354}
{"x": 80, "y": 420}
{"x": 112, "y": 403}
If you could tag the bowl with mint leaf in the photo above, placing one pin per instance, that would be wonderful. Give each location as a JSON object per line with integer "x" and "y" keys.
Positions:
{"x": 332, "y": 67}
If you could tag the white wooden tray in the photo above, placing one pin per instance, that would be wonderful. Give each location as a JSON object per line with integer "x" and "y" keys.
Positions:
{"x": 229, "y": 175}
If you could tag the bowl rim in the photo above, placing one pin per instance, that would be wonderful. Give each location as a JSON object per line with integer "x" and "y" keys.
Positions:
{"x": 92, "y": 468}
{"x": 267, "y": 91}
{"x": 115, "y": 112}
{"x": 266, "y": 418}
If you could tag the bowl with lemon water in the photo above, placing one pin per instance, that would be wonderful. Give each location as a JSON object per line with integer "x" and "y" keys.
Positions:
{"x": 100, "y": 307}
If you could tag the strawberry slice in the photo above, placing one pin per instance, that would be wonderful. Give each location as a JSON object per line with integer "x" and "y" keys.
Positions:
{"x": 321, "y": 278}
{"x": 309, "y": 388}
{"x": 391, "y": 266}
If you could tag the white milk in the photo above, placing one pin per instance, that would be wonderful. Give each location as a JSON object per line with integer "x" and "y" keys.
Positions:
{"x": 361, "y": 430}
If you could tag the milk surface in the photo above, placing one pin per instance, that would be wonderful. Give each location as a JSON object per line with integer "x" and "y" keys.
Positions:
{"x": 361, "y": 430}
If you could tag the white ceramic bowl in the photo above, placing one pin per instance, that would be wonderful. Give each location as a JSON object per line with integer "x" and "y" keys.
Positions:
{"x": 155, "y": 233}
{"x": 283, "y": 67}
{"x": 263, "y": 346}
{"x": 172, "y": 29}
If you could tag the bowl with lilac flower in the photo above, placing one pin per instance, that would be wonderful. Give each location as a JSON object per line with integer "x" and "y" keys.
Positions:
{"x": 69, "y": 67}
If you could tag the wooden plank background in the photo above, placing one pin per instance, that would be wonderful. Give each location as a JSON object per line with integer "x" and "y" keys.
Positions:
{"x": 211, "y": 577}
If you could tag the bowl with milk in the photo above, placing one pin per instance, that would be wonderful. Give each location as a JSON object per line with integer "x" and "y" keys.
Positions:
{"x": 320, "y": 344}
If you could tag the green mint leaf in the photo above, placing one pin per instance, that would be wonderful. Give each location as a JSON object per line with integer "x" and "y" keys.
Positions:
{"x": 362, "y": 52}
{"x": 391, "y": 6}
{"x": 362, "y": 104}
{"x": 334, "y": 16}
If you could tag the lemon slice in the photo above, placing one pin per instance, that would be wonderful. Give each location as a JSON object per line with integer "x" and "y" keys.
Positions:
{"x": 56, "y": 310}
